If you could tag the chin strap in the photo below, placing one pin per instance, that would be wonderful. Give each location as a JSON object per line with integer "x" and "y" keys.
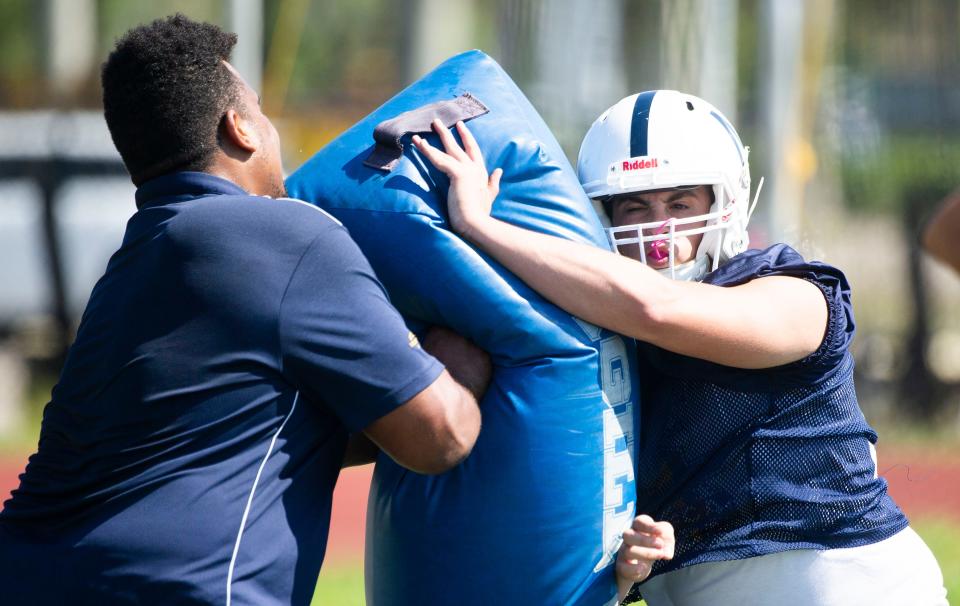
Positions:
{"x": 691, "y": 271}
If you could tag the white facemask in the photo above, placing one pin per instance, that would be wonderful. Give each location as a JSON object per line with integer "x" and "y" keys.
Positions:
{"x": 691, "y": 271}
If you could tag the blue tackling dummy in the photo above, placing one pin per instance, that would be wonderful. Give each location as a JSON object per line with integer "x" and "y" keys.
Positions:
{"x": 534, "y": 514}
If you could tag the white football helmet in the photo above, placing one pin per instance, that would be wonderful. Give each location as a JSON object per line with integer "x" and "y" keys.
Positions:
{"x": 663, "y": 139}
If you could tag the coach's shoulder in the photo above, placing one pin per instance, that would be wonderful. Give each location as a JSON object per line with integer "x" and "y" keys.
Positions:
{"x": 265, "y": 217}
{"x": 300, "y": 208}
{"x": 281, "y": 210}
{"x": 248, "y": 222}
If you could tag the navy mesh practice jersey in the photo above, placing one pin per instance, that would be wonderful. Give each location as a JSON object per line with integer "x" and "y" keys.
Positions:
{"x": 750, "y": 462}
{"x": 190, "y": 450}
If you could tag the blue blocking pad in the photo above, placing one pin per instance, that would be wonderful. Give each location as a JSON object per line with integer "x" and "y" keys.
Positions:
{"x": 534, "y": 514}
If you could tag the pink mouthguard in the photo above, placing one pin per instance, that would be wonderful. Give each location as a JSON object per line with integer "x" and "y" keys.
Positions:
{"x": 659, "y": 250}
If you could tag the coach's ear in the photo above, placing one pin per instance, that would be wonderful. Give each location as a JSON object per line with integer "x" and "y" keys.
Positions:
{"x": 237, "y": 133}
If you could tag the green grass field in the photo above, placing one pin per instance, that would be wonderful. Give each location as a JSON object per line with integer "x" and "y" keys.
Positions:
{"x": 342, "y": 585}
{"x": 943, "y": 537}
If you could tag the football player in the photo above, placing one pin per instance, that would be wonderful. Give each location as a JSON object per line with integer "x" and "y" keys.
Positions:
{"x": 753, "y": 444}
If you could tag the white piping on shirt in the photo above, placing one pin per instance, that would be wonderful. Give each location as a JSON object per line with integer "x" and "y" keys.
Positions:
{"x": 314, "y": 207}
{"x": 253, "y": 489}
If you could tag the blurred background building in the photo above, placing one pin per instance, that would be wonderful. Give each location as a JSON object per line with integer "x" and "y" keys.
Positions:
{"x": 851, "y": 109}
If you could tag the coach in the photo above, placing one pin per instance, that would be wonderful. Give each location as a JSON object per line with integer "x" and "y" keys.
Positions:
{"x": 191, "y": 446}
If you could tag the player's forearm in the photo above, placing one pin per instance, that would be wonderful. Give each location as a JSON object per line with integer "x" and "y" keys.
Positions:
{"x": 625, "y": 296}
{"x": 752, "y": 326}
{"x": 593, "y": 284}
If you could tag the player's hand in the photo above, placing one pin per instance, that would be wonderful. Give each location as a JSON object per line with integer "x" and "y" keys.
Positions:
{"x": 644, "y": 543}
{"x": 472, "y": 189}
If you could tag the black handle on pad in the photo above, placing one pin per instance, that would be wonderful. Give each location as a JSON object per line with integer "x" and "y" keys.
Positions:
{"x": 388, "y": 150}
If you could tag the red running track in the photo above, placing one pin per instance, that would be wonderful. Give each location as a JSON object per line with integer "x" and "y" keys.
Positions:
{"x": 924, "y": 482}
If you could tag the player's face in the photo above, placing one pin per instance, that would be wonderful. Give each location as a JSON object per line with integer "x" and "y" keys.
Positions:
{"x": 659, "y": 207}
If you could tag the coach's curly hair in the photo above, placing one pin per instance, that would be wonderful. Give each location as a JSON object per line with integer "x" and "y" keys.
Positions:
{"x": 165, "y": 91}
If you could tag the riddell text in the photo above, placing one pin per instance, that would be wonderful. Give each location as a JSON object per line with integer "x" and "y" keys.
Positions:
{"x": 638, "y": 164}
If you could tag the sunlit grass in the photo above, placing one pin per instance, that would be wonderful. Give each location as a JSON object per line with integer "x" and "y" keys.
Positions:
{"x": 943, "y": 537}
{"x": 340, "y": 585}
{"x": 938, "y": 437}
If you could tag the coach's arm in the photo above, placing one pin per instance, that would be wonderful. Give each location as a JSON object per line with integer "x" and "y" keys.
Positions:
{"x": 436, "y": 429}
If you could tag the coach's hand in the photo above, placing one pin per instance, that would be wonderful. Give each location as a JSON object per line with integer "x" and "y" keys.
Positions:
{"x": 467, "y": 364}
{"x": 437, "y": 428}
{"x": 472, "y": 189}
{"x": 644, "y": 543}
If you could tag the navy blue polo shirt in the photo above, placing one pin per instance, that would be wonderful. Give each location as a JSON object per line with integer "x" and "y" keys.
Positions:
{"x": 191, "y": 446}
